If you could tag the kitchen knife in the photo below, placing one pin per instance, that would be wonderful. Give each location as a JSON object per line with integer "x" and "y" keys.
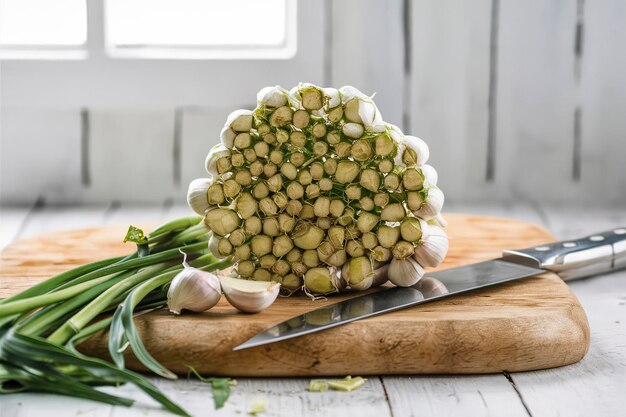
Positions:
{"x": 570, "y": 259}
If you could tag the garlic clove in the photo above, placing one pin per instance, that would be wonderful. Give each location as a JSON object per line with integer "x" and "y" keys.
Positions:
{"x": 405, "y": 272}
{"x": 272, "y": 96}
{"x": 249, "y": 296}
{"x": 194, "y": 290}
{"x": 430, "y": 252}
{"x": 197, "y": 195}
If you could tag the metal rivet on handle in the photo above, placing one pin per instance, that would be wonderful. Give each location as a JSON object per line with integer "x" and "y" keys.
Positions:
{"x": 542, "y": 248}
{"x": 569, "y": 244}
{"x": 596, "y": 238}
{"x": 620, "y": 231}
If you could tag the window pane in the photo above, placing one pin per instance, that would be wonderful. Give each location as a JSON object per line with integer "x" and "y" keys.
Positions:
{"x": 196, "y": 22}
{"x": 43, "y": 22}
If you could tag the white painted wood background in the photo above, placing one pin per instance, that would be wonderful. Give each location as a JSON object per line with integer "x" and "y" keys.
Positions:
{"x": 518, "y": 101}
{"x": 593, "y": 387}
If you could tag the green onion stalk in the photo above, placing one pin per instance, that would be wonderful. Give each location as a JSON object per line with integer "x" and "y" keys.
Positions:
{"x": 42, "y": 327}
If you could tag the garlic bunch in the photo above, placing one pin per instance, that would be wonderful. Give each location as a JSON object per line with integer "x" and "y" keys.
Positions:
{"x": 432, "y": 250}
{"x": 249, "y": 296}
{"x": 194, "y": 290}
{"x": 405, "y": 272}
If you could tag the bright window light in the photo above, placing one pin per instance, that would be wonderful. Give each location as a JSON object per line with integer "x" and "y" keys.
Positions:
{"x": 219, "y": 28}
{"x": 31, "y": 23}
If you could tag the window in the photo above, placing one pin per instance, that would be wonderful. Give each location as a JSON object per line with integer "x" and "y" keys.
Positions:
{"x": 43, "y": 28}
{"x": 200, "y": 28}
{"x": 170, "y": 29}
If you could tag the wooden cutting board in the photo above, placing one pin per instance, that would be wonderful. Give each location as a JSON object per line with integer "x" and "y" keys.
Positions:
{"x": 532, "y": 324}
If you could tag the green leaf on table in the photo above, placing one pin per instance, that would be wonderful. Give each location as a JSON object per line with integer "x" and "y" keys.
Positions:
{"x": 135, "y": 235}
{"x": 219, "y": 386}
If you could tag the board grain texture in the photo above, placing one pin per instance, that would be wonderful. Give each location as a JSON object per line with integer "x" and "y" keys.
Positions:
{"x": 532, "y": 324}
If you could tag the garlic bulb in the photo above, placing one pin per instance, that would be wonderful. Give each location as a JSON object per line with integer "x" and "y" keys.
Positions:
{"x": 194, "y": 290}
{"x": 272, "y": 96}
{"x": 430, "y": 252}
{"x": 222, "y": 221}
{"x": 430, "y": 175}
{"x": 197, "y": 195}
{"x": 227, "y": 137}
{"x": 360, "y": 108}
{"x": 306, "y": 96}
{"x": 218, "y": 151}
{"x": 332, "y": 97}
{"x": 323, "y": 280}
{"x": 249, "y": 296}
{"x": 239, "y": 120}
{"x": 432, "y": 205}
{"x": 405, "y": 272}
{"x": 416, "y": 151}
{"x": 214, "y": 247}
{"x": 353, "y": 130}
{"x": 358, "y": 273}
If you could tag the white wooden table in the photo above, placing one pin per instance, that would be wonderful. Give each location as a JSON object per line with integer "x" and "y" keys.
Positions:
{"x": 594, "y": 387}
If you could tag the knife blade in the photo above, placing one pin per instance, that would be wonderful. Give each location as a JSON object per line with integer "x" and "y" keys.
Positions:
{"x": 571, "y": 259}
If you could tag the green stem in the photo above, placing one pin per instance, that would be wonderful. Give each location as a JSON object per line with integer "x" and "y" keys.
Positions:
{"x": 52, "y": 283}
{"x": 45, "y": 318}
{"x": 174, "y": 225}
{"x": 93, "y": 278}
{"x": 100, "y": 303}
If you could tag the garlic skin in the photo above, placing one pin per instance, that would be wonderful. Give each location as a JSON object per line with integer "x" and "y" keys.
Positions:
{"x": 272, "y": 96}
{"x": 358, "y": 273}
{"x": 405, "y": 272}
{"x": 249, "y": 296}
{"x": 381, "y": 275}
{"x": 218, "y": 151}
{"x": 197, "y": 195}
{"x": 430, "y": 252}
{"x": 194, "y": 290}
{"x": 432, "y": 205}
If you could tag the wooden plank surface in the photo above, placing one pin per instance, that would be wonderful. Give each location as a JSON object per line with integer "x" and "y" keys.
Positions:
{"x": 531, "y": 324}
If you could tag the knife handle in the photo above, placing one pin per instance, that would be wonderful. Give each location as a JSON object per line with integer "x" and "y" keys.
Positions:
{"x": 577, "y": 258}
